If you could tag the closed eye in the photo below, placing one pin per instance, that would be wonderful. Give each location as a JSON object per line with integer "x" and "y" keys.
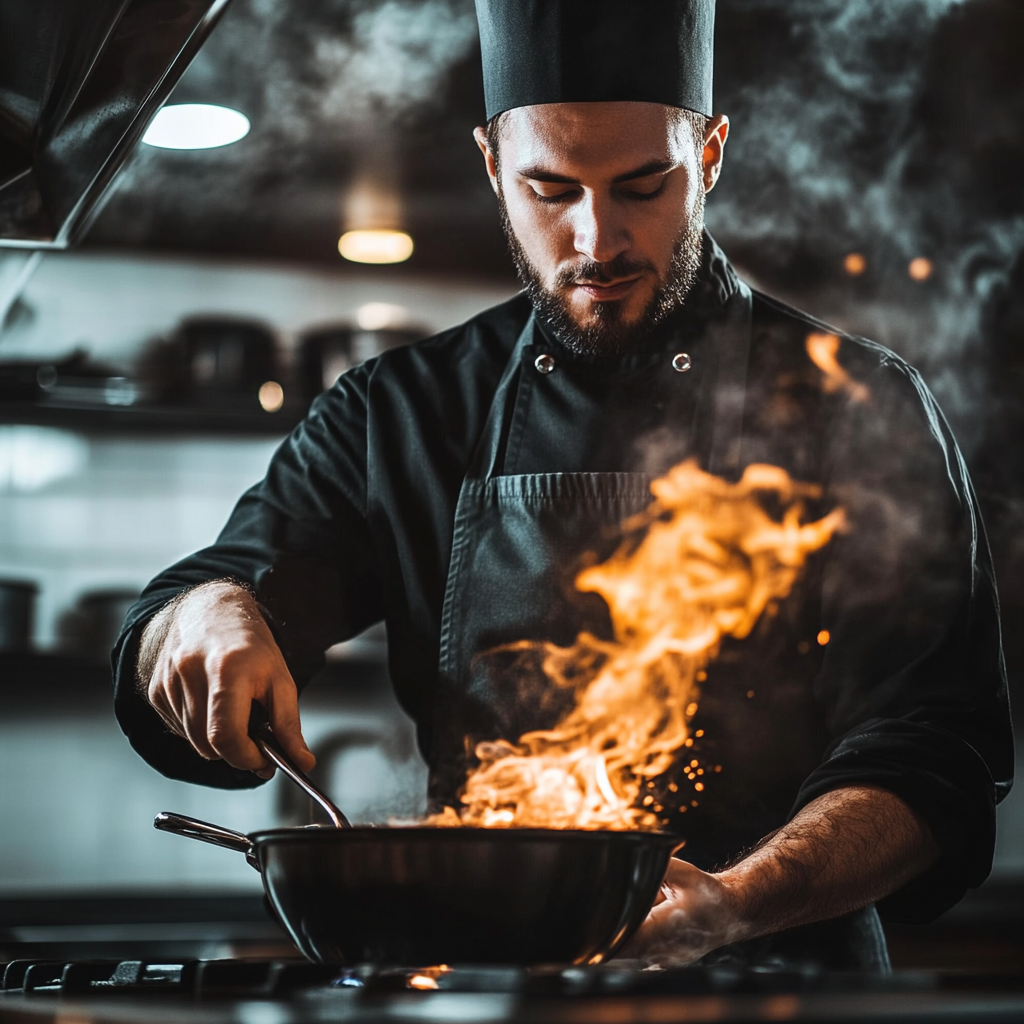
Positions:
{"x": 546, "y": 192}
{"x": 645, "y": 188}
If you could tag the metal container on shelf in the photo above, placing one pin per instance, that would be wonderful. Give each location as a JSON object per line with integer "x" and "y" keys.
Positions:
{"x": 17, "y": 614}
{"x": 324, "y": 355}
{"x": 326, "y": 352}
{"x": 91, "y": 627}
{"x": 213, "y": 361}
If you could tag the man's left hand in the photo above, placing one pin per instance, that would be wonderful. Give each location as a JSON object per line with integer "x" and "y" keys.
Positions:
{"x": 694, "y": 914}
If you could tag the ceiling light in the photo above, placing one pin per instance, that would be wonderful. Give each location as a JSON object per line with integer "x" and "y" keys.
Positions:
{"x": 375, "y": 246}
{"x": 196, "y": 126}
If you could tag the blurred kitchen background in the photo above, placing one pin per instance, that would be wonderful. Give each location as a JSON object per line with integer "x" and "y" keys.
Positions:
{"x": 873, "y": 177}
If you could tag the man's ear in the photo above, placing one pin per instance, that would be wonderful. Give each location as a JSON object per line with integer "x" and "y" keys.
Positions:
{"x": 490, "y": 165}
{"x": 714, "y": 149}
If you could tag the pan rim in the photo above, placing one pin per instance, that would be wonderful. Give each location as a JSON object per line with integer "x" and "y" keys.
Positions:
{"x": 357, "y": 833}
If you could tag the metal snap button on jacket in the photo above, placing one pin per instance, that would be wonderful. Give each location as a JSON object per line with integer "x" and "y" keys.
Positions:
{"x": 681, "y": 362}
{"x": 545, "y": 363}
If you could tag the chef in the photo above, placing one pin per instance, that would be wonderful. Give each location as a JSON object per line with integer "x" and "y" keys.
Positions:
{"x": 856, "y": 742}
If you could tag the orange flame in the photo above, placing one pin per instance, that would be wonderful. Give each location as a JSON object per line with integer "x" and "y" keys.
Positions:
{"x": 704, "y": 561}
{"x": 824, "y": 352}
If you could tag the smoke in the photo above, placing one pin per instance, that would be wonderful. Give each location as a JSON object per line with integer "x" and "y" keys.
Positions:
{"x": 342, "y": 65}
{"x": 326, "y": 85}
{"x": 831, "y": 151}
{"x": 828, "y": 131}
{"x": 395, "y": 58}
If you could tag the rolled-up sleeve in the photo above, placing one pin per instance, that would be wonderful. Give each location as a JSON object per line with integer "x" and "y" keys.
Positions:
{"x": 300, "y": 541}
{"x": 913, "y": 685}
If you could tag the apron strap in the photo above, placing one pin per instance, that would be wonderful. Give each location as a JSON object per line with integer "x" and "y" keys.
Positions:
{"x": 484, "y": 462}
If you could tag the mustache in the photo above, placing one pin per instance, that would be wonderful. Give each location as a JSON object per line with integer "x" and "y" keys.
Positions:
{"x": 590, "y": 272}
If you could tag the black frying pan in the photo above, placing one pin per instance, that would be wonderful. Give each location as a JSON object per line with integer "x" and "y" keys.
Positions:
{"x": 424, "y": 896}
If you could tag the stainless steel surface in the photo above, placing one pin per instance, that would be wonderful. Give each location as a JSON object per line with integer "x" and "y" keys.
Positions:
{"x": 78, "y": 85}
{"x": 206, "y": 832}
{"x": 262, "y": 735}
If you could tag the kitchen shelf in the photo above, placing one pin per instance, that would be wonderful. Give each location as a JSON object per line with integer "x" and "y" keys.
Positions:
{"x": 164, "y": 420}
{"x": 27, "y": 675}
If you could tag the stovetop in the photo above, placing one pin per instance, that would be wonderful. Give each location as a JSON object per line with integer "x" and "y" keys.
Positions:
{"x": 285, "y": 991}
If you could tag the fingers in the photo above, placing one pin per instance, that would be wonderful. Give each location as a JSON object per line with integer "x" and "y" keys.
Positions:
{"x": 666, "y": 939}
{"x": 284, "y": 720}
{"x": 683, "y": 924}
{"x": 230, "y": 704}
{"x": 180, "y": 700}
{"x": 232, "y": 692}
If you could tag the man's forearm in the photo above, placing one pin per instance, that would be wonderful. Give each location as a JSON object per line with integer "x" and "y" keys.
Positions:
{"x": 844, "y": 850}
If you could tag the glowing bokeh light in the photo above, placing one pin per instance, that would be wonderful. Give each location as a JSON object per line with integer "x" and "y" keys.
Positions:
{"x": 196, "y": 126}
{"x": 376, "y": 246}
{"x": 855, "y": 264}
{"x": 422, "y": 982}
{"x": 920, "y": 269}
{"x": 377, "y": 316}
{"x": 271, "y": 396}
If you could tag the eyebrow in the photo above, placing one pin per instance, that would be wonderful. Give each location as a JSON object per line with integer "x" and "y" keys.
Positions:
{"x": 538, "y": 173}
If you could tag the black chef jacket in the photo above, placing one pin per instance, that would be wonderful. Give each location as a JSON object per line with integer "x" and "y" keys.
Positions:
{"x": 354, "y": 524}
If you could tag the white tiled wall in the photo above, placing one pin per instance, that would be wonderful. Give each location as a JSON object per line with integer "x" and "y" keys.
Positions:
{"x": 76, "y": 803}
{"x": 89, "y": 511}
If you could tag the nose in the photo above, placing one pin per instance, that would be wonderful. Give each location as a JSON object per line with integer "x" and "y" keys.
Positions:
{"x": 599, "y": 231}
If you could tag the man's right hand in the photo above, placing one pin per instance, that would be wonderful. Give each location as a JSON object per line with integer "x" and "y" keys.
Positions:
{"x": 203, "y": 660}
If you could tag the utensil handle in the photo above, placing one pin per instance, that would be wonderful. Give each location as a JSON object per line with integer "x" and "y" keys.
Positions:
{"x": 262, "y": 735}
{"x": 206, "y": 832}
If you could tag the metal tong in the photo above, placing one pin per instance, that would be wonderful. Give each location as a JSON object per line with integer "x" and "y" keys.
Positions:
{"x": 263, "y": 736}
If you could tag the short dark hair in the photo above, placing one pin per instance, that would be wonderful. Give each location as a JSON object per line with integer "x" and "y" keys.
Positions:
{"x": 698, "y": 127}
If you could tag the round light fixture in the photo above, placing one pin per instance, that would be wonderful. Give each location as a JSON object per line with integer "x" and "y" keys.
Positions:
{"x": 196, "y": 126}
{"x": 375, "y": 246}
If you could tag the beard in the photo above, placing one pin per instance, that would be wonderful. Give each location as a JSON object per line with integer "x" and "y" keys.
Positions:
{"x": 611, "y": 333}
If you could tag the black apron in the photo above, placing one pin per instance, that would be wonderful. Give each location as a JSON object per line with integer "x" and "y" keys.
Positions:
{"x": 519, "y": 542}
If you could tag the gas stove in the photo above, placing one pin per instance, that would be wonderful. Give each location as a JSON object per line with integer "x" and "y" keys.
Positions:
{"x": 291, "y": 991}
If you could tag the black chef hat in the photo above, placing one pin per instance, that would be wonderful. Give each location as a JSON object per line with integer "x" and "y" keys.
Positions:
{"x": 565, "y": 51}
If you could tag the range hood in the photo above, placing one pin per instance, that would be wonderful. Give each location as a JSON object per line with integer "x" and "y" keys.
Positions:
{"x": 79, "y": 82}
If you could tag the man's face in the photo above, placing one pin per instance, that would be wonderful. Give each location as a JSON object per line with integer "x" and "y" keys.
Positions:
{"x": 603, "y": 205}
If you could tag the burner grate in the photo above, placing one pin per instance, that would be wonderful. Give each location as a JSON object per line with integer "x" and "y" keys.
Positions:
{"x": 242, "y": 978}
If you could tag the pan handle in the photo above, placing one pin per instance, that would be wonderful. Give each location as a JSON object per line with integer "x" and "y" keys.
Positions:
{"x": 205, "y": 832}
